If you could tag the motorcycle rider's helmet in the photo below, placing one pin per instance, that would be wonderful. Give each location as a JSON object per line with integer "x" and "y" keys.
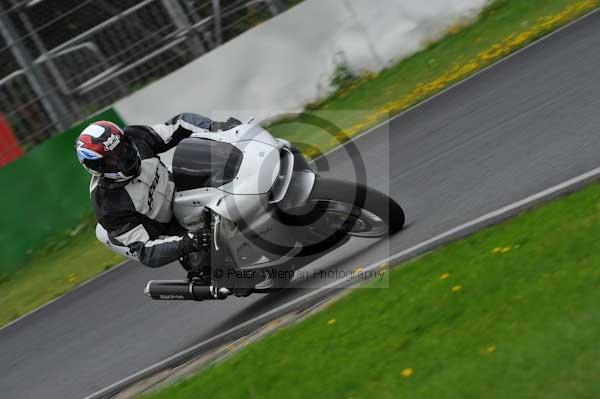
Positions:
{"x": 105, "y": 151}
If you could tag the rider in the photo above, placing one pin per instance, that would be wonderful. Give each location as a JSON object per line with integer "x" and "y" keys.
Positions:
{"x": 132, "y": 190}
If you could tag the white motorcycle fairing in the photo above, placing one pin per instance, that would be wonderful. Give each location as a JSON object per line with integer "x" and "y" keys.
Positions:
{"x": 262, "y": 177}
{"x": 262, "y": 208}
{"x": 256, "y": 175}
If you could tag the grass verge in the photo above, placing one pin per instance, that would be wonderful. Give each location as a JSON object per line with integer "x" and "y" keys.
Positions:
{"x": 504, "y": 27}
{"x": 510, "y": 312}
{"x": 66, "y": 262}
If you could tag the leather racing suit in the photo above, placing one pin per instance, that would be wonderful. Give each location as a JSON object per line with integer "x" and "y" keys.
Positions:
{"x": 135, "y": 217}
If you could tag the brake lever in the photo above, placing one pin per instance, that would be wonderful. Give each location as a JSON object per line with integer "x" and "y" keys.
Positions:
{"x": 216, "y": 231}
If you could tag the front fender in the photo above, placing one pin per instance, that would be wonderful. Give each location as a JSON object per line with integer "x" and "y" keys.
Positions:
{"x": 299, "y": 190}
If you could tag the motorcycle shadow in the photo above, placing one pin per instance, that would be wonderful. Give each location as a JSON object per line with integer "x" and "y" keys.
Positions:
{"x": 309, "y": 278}
{"x": 300, "y": 287}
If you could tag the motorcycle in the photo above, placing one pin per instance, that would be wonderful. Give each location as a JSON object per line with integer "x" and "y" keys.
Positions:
{"x": 262, "y": 212}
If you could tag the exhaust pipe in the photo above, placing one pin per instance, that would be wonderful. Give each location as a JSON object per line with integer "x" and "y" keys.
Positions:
{"x": 183, "y": 290}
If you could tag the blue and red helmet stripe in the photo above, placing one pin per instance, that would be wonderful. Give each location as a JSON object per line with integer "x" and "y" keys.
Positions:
{"x": 95, "y": 142}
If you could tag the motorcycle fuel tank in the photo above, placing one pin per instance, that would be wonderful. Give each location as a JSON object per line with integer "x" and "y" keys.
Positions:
{"x": 230, "y": 172}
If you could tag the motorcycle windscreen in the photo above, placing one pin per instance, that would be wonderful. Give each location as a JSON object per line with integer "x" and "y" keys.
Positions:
{"x": 200, "y": 163}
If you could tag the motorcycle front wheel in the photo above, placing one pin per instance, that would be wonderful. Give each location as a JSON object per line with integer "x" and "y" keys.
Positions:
{"x": 365, "y": 211}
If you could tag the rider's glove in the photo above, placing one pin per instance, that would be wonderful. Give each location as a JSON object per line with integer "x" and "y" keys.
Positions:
{"x": 188, "y": 244}
{"x": 229, "y": 124}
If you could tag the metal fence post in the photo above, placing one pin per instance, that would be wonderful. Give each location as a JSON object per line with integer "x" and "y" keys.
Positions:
{"x": 276, "y": 6}
{"x": 216, "y": 5}
{"x": 182, "y": 22}
{"x": 52, "y": 68}
{"x": 52, "y": 105}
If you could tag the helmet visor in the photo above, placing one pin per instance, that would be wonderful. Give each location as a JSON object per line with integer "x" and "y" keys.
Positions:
{"x": 124, "y": 158}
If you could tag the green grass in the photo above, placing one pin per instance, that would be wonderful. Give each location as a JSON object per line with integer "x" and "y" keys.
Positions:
{"x": 357, "y": 105}
{"x": 525, "y": 323}
{"x": 65, "y": 263}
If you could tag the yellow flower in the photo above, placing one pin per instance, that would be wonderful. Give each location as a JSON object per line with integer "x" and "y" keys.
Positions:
{"x": 358, "y": 271}
{"x": 505, "y": 250}
{"x": 455, "y": 29}
{"x": 496, "y": 250}
{"x": 521, "y": 38}
{"x": 311, "y": 152}
{"x": 491, "y": 349}
{"x": 383, "y": 268}
{"x": 72, "y": 278}
{"x": 331, "y": 322}
{"x": 456, "y": 288}
{"x": 407, "y": 372}
{"x": 445, "y": 276}
{"x": 344, "y": 135}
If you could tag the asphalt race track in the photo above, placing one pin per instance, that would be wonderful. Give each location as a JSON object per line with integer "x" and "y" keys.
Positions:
{"x": 526, "y": 124}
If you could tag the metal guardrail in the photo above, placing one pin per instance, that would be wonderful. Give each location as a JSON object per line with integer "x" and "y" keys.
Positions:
{"x": 67, "y": 61}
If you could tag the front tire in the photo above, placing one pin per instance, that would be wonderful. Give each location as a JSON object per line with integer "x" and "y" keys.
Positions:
{"x": 359, "y": 198}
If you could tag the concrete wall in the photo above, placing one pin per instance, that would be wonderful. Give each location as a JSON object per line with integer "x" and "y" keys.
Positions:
{"x": 288, "y": 61}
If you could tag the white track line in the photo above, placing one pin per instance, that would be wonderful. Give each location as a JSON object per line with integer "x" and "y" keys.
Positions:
{"x": 479, "y": 222}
